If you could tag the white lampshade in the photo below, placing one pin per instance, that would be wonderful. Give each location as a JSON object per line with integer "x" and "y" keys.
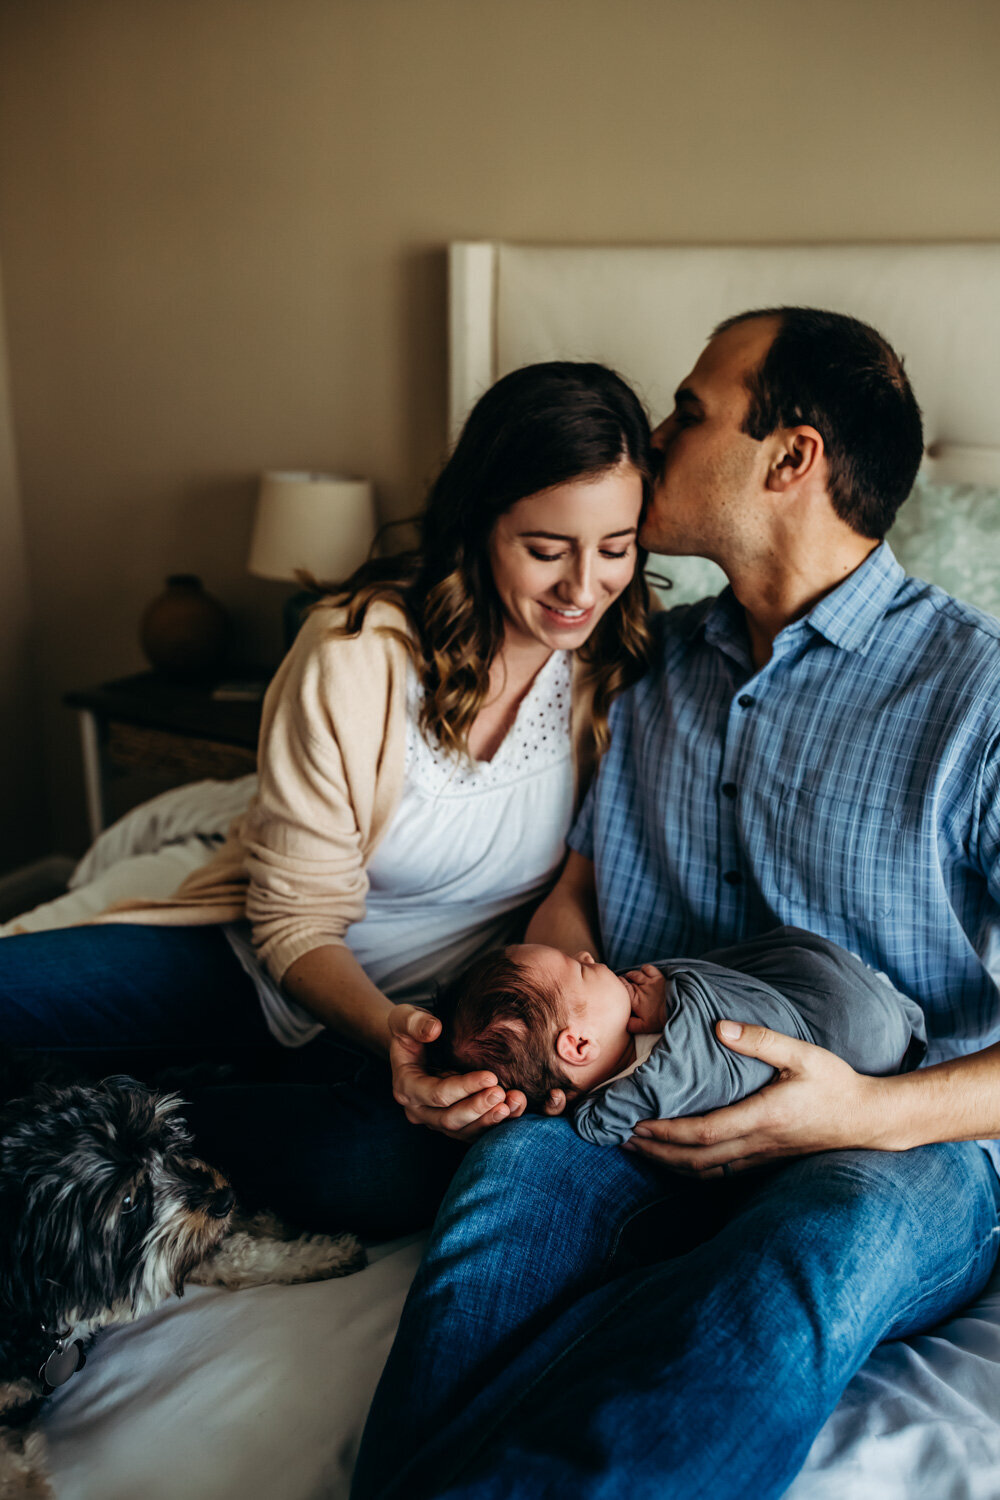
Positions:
{"x": 317, "y": 522}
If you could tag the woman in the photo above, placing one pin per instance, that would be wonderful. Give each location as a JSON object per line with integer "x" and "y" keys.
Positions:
{"x": 421, "y": 750}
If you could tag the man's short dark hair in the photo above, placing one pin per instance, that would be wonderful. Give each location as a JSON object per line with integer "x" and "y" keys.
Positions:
{"x": 499, "y": 1016}
{"x": 839, "y": 375}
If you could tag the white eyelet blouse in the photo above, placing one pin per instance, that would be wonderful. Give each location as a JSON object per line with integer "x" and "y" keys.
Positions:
{"x": 470, "y": 844}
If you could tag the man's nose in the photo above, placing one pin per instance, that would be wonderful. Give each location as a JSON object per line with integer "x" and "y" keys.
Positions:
{"x": 661, "y": 435}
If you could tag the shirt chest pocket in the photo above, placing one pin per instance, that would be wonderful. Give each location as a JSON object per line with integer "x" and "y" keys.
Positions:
{"x": 838, "y": 855}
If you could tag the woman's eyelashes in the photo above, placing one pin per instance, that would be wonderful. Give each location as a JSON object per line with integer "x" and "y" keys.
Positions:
{"x": 558, "y": 556}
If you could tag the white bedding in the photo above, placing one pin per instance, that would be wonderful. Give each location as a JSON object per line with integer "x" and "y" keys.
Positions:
{"x": 263, "y": 1393}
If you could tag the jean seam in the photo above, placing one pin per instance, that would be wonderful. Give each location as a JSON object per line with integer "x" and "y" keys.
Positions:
{"x": 992, "y": 1237}
{"x": 624, "y": 1224}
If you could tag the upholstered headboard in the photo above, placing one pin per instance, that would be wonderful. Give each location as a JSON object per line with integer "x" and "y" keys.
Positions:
{"x": 648, "y": 311}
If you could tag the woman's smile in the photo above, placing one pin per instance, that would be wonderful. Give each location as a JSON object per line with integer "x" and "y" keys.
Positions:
{"x": 567, "y": 615}
{"x": 562, "y": 557}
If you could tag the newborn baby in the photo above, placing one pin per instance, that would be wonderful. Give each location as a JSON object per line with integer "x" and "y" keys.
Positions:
{"x": 645, "y": 1039}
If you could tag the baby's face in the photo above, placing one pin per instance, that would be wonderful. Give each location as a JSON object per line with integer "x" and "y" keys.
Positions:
{"x": 598, "y": 1004}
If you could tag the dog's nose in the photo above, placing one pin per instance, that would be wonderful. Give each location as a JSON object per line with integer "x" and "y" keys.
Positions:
{"x": 221, "y": 1203}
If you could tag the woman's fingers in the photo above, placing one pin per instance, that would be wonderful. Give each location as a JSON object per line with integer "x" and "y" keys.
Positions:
{"x": 459, "y": 1104}
{"x": 488, "y": 1107}
{"x": 456, "y": 1088}
{"x": 411, "y": 1085}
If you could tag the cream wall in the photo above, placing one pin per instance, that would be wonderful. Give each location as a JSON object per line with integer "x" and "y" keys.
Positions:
{"x": 20, "y": 763}
{"x": 222, "y": 225}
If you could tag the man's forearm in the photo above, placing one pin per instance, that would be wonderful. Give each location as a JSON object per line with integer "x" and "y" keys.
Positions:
{"x": 567, "y": 918}
{"x": 958, "y": 1100}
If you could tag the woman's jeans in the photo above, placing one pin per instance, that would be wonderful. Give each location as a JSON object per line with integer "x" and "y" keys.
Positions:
{"x": 313, "y": 1133}
{"x": 584, "y": 1324}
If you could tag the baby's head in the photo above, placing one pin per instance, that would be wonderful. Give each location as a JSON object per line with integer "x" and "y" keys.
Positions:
{"x": 537, "y": 1018}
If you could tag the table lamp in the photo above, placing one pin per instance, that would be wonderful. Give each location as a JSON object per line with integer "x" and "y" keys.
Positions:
{"x": 320, "y": 524}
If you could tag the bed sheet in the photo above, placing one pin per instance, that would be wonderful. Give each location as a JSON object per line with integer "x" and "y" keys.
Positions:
{"x": 254, "y": 1395}
{"x": 261, "y": 1395}
{"x": 239, "y": 1395}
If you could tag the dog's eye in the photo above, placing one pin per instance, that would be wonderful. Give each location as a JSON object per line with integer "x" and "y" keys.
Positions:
{"x": 128, "y": 1203}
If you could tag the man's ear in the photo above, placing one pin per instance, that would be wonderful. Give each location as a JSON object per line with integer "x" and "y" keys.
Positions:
{"x": 576, "y": 1050}
{"x": 798, "y": 453}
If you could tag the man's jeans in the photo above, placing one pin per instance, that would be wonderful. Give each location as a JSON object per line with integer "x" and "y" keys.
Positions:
{"x": 586, "y": 1325}
{"x": 312, "y": 1133}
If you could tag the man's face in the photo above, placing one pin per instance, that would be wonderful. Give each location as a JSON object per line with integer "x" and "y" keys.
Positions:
{"x": 711, "y": 470}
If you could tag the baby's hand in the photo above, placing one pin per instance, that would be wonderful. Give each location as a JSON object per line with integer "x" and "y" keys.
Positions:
{"x": 649, "y": 1000}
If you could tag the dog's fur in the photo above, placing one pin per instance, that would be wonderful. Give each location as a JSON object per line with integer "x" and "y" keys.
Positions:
{"x": 104, "y": 1212}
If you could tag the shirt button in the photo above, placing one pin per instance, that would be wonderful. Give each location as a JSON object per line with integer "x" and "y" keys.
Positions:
{"x": 729, "y": 789}
{"x": 745, "y": 700}
{"x": 733, "y": 877}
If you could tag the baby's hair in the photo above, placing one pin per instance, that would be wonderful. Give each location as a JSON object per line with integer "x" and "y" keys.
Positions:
{"x": 497, "y": 1015}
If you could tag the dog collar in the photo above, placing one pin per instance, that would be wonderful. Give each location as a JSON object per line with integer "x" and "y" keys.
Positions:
{"x": 65, "y": 1358}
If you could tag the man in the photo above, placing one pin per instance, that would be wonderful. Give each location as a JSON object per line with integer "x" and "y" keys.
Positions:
{"x": 820, "y": 747}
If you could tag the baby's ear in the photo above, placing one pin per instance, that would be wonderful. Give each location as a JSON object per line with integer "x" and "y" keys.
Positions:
{"x": 576, "y": 1050}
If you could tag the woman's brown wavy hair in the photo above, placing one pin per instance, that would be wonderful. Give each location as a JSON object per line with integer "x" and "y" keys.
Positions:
{"x": 543, "y": 425}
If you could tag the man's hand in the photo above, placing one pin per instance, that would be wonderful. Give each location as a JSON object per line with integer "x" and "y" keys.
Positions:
{"x": 817, "y": 1103}
{"x": 460, "y": 1105}
{"x": 649, "y": 1000}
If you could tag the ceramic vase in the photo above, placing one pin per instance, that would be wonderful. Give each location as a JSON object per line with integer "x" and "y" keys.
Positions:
{"x": 184, "y": 631}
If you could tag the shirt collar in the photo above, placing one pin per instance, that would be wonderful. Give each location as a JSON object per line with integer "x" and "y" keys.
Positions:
{"x": 850, "y": 613}
{"x": 846, "y": 617}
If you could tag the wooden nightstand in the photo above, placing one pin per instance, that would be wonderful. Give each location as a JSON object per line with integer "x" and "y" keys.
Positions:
{"x": 174, "y": 731}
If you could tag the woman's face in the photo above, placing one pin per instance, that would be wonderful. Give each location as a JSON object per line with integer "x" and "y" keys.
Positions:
{"x": 561, "y": 557}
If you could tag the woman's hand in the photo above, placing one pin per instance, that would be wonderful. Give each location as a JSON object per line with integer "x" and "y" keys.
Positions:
{"x": 460, "y": 1105}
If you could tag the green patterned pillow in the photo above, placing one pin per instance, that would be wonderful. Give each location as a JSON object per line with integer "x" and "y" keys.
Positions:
{"x": 949, "y": 534}
{"x": 693, "y": 578}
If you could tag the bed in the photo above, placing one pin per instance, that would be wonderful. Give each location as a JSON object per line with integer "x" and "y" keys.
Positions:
{"x": 263, "y": 1393}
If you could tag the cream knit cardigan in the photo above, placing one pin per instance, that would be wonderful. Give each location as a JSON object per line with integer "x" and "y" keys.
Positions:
{"x": 332, "y": 762}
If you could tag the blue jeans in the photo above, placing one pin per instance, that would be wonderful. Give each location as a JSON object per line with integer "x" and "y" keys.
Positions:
{"x": 585, "y": 1325}
{"x": 312, "y": 1133}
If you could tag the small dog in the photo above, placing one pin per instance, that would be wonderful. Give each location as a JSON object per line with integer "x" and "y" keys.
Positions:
{"x": 104, "y": 1212}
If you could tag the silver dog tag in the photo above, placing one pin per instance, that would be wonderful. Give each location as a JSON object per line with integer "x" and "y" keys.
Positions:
{"x": 62, "y": 1363}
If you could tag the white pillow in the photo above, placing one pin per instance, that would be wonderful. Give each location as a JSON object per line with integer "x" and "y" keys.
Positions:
{"x": 949, "y": 534}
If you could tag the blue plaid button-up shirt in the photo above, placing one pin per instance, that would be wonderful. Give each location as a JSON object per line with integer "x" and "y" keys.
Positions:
{"x": 851, "y": 787}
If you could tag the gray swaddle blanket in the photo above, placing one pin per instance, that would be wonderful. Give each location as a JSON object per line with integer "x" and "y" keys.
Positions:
{"x": 788, "y": 979}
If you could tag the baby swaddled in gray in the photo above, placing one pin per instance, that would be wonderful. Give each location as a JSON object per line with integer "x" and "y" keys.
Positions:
{"x": 789, "y": 980}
